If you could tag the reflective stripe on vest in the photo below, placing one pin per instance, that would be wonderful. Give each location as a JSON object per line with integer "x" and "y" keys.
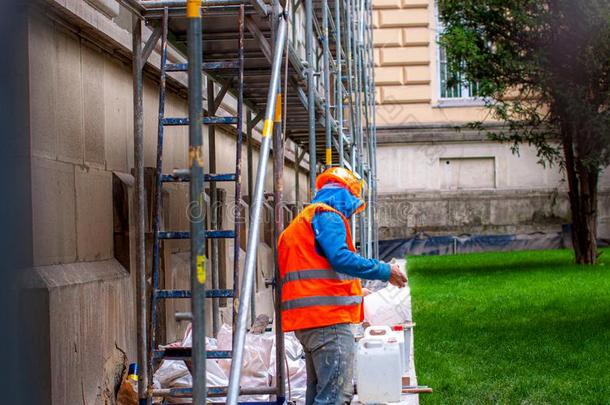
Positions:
{"x": 322, "y": 300}
{"x": 313, "y": 294}
{"x": 310, "y": 275}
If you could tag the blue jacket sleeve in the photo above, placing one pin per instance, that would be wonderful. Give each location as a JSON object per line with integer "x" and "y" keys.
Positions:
{"x": 329, "y": 231}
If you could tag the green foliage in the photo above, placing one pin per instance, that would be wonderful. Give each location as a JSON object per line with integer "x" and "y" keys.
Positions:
{"x": 542, "y": 65}
{"x": 511, "y": 328}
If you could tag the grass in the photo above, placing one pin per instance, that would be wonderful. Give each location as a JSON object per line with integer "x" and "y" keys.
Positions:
{"x": 512, "y": 328}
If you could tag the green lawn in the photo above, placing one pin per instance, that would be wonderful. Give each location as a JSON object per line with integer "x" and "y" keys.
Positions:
{"x": 512, "y": 328}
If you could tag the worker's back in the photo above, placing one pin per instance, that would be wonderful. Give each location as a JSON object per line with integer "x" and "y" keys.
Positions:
{"x": 313, "y": 294}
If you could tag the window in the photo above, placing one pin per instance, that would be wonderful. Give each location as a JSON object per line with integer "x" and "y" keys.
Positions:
{"x": 451, "y": 84}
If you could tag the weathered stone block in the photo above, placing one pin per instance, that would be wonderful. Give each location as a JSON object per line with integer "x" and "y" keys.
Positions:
{"x": 417, "y": 17}
{"x": 177, "y": 276}
{"x": 416, "y": 55}
{"x": 417, "y": 36}
{"x": 406, "y": 94}
{"x": 108, "y": 7}
{"x": 417, "y": 74}
{"x": 69, "y": 106}
{"x": 93, "y": 95}
{"x": 94, "y": 214}
{"x": 415, "y": 3}
{"x": 378, "y": 4}
{"x": 53, "y": 212}
{"x": 90, "y": 329}
{"x": 387, "y": 37}
{"x": 42, "y": 87}
{"x": 116, "y": 116}
{"x": 117, "y": 119}
{"x": 151, "y": 128}
{"x": 388, "y": 75}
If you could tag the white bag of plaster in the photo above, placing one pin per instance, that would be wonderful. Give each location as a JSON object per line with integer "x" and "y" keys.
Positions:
{"x": 389, "y": 306}
{"x": 256, "y": 360}
{"x": 296, "y": 384}
{"x": 175, "y": 374}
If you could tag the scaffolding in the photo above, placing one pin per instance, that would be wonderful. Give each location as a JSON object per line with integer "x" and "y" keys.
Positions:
{"x": 320, "y": 94}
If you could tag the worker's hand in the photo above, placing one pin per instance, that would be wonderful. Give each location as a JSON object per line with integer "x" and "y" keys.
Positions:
{"x": 397, "y": 277}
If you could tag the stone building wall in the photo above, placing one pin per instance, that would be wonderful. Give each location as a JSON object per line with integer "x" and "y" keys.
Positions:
{"x": 81, "y": 129}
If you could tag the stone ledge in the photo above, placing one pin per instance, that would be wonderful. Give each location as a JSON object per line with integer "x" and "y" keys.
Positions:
{"x": 450, "y": 132}
{"x": 509, "y": 211}
{"x": 70, "y": 274}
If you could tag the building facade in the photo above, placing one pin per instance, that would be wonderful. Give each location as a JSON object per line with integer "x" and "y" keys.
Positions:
{"x": 81, "y": 154}
{"x": 435, "y": 177}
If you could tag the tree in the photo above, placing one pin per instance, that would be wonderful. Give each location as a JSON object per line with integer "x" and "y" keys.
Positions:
{"x": 543, "y": 68}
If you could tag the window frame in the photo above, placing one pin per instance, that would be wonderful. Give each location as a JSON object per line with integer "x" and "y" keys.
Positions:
{"x": 462, "y": 101}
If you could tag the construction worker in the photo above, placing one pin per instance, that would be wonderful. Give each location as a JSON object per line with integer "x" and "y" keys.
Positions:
{"x": 321, "y": 290}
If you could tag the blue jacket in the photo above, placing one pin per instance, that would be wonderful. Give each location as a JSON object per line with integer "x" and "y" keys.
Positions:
{"x": 330, "y": 234}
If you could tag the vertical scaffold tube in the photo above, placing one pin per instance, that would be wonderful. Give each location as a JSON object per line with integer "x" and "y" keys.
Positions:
{"x": 339, "y": 81}
{"x": 138, "y": 151}
{"x": 214, "y": 208}
{"x": 311, "y": 94}
{"x": 197, "y": 200}
{"x": 278, "y": 223}
{"x": 326, "y": 74}
{"x": 253, "y": 232}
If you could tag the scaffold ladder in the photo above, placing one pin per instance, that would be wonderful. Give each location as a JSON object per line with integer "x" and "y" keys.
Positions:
{"x": 197, "y": 234}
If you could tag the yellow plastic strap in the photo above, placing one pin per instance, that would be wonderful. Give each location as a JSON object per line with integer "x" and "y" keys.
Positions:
{"x": 193, "y": 8}
{"x": 329, "y": 156}
{"x": 201, "y": 271}
{"x": 133, "y": 377}
{"x": 278, "y": 108}
{"x": 267, "y": 128}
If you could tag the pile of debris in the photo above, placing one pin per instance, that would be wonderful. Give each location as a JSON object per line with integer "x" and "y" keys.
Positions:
{"x": 258, "y": 370}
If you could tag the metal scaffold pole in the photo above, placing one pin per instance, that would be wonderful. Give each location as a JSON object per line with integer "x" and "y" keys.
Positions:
{"x": 138, "y": 135}
{"x": 373, "y": 133}
{"x": 351, "y": 75}
{"x": 359, "y": 133}
{"x": 339, "y": 81}
{"x": 369, "y": 98}
{"x": 311, "y": 94}
{"x": 278, "y": 218}
{"x": 197, "y": 201}
{"x": 214, "y": 208}
{"x": 253, "y": 234}
{"x": 326, "y": 82}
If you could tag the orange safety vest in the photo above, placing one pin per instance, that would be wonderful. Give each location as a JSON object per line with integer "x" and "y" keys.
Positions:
{"x": 313, "y": 294}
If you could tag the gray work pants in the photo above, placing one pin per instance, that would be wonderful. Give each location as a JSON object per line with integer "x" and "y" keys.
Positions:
{"x": 329, "y": 356}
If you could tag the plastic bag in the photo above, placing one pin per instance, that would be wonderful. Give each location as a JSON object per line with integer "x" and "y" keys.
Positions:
{"x": 175, "y": 374}
{"x": 256, "y": 360}
{"x": 258, "y": 369}
{"x": 389, "y": 306}
{"x": 296, "y": 383}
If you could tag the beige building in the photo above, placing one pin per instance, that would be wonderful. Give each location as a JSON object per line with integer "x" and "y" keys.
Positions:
{"x": 434, "y": 178}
